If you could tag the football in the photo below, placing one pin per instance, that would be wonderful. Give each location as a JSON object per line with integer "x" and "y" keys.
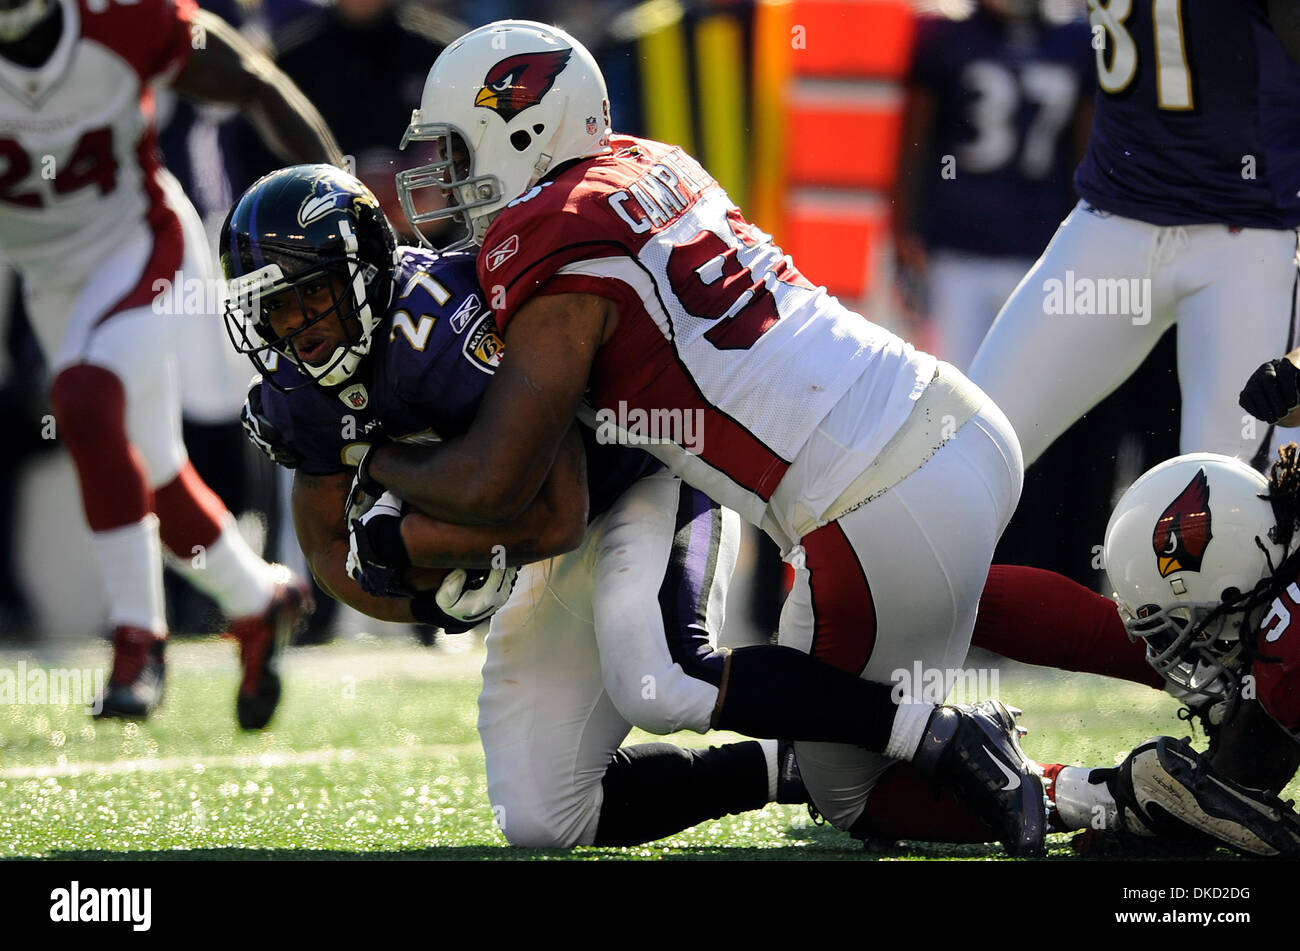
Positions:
{"x": 424, "y": 579}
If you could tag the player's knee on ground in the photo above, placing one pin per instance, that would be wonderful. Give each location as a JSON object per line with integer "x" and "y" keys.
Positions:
{"x": 529, "y": 823}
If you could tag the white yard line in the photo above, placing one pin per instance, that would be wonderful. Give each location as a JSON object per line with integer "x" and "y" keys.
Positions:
{"x": 199, "y": 764}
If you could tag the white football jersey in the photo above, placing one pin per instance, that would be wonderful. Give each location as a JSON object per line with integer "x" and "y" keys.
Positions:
{"x": 81, "y": 162}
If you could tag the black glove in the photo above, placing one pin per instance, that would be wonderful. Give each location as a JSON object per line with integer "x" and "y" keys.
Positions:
{"x": 1272, "y": 391}
{"x": 376, "y": 552}
{"x": 263, "y": 433}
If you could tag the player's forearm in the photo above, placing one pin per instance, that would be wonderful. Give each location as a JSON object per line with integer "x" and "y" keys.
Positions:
{"x": 329, "y": 567}
{"x": 553, "y": 524}
{"x": 227, "y": 69}
{"x": 290, "y": 125}
{"x": 434, "y": 544}
{"x": 455, "y": 482}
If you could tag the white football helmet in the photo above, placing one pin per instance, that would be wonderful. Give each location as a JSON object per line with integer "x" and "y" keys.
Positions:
{"x": 505, "y": 103}
{"x": 1184, "y": 538}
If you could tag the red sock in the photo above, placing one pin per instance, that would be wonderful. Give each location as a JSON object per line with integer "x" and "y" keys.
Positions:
{"x": 190, "y": 513}
{"x": 89, "y": 406}
{"x": 1040, "y": 617}
{"x": 1050, "y": 772}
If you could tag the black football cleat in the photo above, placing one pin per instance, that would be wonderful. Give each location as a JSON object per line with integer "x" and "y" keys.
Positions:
{"x": 1165, "y": 789}
{"x": 975, "y": 751}
{"x": 135, "y": 685}
{"x": 262, "y": 638}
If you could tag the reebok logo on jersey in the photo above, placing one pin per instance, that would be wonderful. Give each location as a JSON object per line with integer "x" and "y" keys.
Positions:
{"x": 503, "y": 252}
{"x": 1182, "y": 533}
{"x": 465, "y": 313}
{"x": 520, "y": 81}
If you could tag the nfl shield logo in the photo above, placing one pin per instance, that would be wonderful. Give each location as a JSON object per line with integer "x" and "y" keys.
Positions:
{"x": 591, "y": 125}
{"x": 355, "y": 396}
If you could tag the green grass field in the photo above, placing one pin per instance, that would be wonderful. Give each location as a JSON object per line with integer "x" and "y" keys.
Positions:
{"x": 374, "y": 754}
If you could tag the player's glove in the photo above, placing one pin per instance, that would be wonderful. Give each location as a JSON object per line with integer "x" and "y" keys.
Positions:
{"x": 470, "y": 597}
{"x": 1272, "y": 391}
{"x": 365, "y": 490}
{"x": 376, "y": 552}
{"x": 465, "y": 599}
{"x": 262, "y": 432}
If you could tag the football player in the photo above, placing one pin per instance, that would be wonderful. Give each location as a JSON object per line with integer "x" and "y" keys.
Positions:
{"x": 358, "y": 345}
{"x": 1200, "y": 551}
{"x": 1190, "y": 200}
{"x": 99, "y": 232}
{"x": 632, "y": 291}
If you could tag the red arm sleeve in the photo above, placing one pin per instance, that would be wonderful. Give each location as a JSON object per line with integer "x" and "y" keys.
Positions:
{"x": 1040, "y": 617}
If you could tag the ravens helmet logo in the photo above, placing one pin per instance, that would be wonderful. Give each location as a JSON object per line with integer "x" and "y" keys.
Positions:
{"x": 1183, "y": 530}
{"x": 520, "y": 81}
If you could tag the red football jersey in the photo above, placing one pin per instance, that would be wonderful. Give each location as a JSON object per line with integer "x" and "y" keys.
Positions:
{"x": 725, "y": 358}
{"x": 1277, "y": 666}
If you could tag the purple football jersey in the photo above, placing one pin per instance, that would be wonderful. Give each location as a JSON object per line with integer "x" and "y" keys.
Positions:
{"x": 1004, "y": 99}
{"x": 1198, "y": 115}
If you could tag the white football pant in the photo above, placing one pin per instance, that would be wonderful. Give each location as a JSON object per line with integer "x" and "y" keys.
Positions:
{"x": 1105, "y": 290}
{"x": 620, "y": 632}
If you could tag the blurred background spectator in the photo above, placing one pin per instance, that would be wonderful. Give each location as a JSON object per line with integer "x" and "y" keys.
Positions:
{"x": 996, "y": 119}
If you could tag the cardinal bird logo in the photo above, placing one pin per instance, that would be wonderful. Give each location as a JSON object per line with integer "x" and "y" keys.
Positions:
{"x": 520, "y": 81}
{"x": 1183, "y": 530}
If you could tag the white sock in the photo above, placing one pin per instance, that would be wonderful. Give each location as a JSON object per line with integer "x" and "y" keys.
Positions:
{"x": 909, "y": 727}
{"x": 231, "y": 573}
{"x": 773, "y": 768}
{"x": 1082, "y": 804}
{"x": 130, "y": 562}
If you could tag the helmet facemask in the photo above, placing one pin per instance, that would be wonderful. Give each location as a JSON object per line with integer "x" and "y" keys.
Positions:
{"x": 1196, "y": 647}
{"x": 451, "y": 174}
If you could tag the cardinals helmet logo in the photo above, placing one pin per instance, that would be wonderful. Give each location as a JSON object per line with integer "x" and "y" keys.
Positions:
{"x": 1183, "y": 530}
{"x": 520, "y": 81}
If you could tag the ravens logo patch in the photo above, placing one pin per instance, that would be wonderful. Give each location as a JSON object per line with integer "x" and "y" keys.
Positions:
{"x": 483, "y": 345}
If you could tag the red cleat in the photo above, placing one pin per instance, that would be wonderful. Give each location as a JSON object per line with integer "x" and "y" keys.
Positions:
{"x": 135, "y": 685}
{"x": 261, "y": 638}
